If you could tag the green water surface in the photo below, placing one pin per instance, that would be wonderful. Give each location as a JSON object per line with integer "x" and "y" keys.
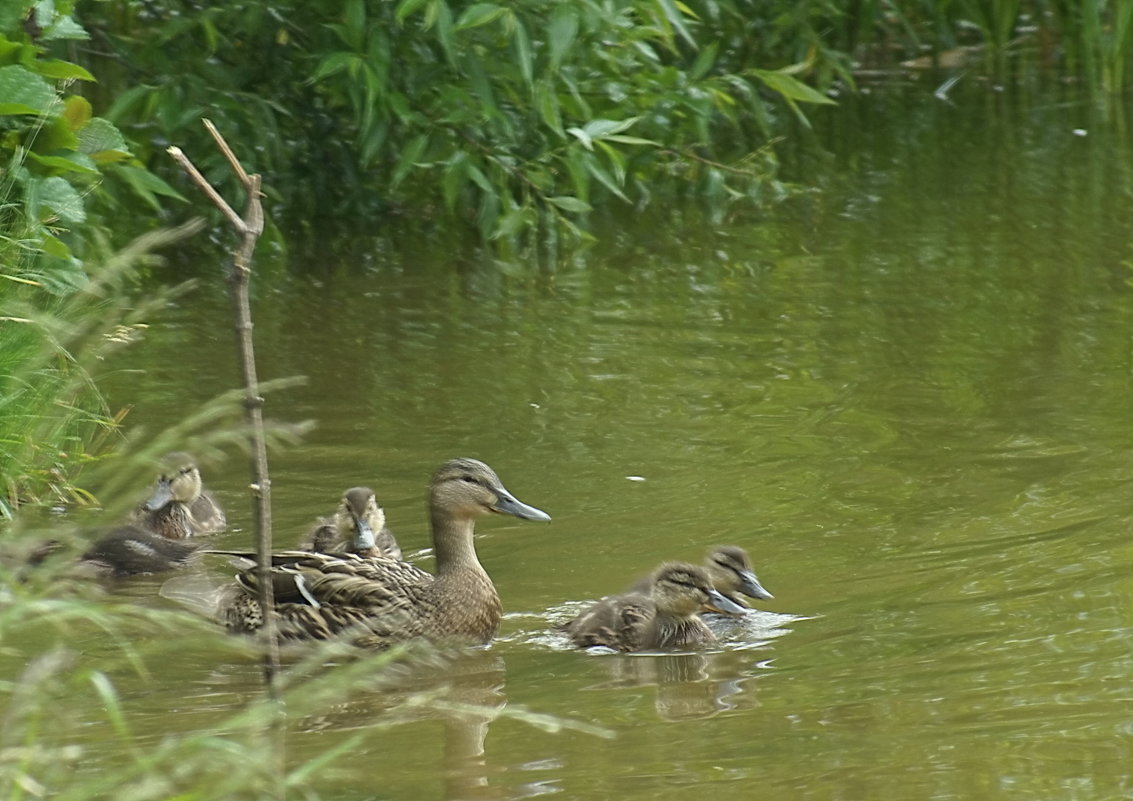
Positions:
{"x": 909, "y": 396}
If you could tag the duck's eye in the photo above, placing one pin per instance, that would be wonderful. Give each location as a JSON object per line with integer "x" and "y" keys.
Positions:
{"x": 469, "y": 479}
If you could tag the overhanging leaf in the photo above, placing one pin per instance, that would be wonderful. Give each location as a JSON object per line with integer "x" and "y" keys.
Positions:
{"x": 100, "y": 135}
{"x": 407, "y": 7}
{"x": 147, "y": 185}
{"x": 571, "y": 204}
{"x": 600, "y": 129}
{"x": 582, "y": 136}
{"x": 62, "y": 199}
{"x": 24, "y": 92}
{"x": 62, "y": 71}
{"x": 75, "y": 162}
{"x": 562, "y": 31}
{"x": 704, "y": 61}
{"x": 408, "y": 158}
{"x": 791, "y": 88}
{"x": 631, "y": 140}
{"x": 479, "y": 14}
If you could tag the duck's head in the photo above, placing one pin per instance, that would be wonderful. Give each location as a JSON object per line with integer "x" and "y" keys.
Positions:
{"x": 359, "y": 517}
{"x": 179, "y": 481}
{"x": 731, "y": 572}
{"x": 468, "y": 488}
{"x": 683, "y": 589}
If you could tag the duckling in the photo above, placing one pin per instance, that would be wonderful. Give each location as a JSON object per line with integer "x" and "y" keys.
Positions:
{"x": 731, "y": 573}
{"x": 376, "y": 601}
{"x": 730, "y": 570}
{"x": 130, "y": 550}
{"x": 665, "y": 619}
{"x": 358, "y": 518}
{"x": 179, "y": 506}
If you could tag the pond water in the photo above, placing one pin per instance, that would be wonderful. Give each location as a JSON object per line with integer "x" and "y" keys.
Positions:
{"x": 909, "y": 396}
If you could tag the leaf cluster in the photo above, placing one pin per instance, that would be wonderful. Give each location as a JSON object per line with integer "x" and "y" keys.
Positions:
{"x": 54, "y": 151}
{"x": 513, "y": 121}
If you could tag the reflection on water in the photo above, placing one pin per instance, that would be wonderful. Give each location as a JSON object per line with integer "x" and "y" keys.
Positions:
{"x": 463, "y": 692}
{"x": 689, "y": 685}
{"x": 908, "y": 400}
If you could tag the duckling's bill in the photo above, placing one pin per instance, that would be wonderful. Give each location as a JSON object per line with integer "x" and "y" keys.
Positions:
{"x": 363, "y": 534}
{"x": 718, "y": 602}
{"x": 162, "y": 494}
{"x": 749, "y": 585}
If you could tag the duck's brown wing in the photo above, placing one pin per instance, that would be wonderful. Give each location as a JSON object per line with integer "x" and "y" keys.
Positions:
{"x": 619, "y": 622}
{"x": 322, "y": 595}
{"x": 130, "y": 550}
{"x": 207, "y": 516}
{"x": 387, "y": 544}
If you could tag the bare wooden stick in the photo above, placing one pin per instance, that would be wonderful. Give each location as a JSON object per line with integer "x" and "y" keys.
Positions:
{"x": 249, "y": 227}
{"x": 195, "y": 176}
{"x": 233, "y": 162}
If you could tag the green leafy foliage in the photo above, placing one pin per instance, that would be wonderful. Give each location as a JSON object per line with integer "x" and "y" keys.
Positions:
{"x": 57, "y": 328}
{"x": 474, "y": 114}
{"x": 54, "y": 151}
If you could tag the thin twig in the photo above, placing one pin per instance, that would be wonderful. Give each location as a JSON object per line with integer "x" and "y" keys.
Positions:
{"x": 249, "y": 228}
{"x": 233, "y": 162}
{"x": 203, "y": 184}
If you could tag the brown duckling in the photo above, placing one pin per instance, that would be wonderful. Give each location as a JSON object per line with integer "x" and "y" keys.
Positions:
{"x": 131, "y": 551}
{"x": 375, "y": 601}
{"x": 124, "y": 551}
{"x": 664, "y": 619}
{"x": 731, "y": 573}
{"x": 730, "y": 570}
{"x": 179, "y": 506}
{"x": 359, "y": 522}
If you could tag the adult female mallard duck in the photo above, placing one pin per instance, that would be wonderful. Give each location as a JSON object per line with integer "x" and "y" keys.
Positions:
{"x": 375, "y": 601}
{"x": 358, "y": 526}
{"x": 179, "y": 507}
{"x": 664, "y": 619}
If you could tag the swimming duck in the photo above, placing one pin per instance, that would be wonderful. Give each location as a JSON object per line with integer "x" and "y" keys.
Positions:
{"x": 358, "y": 519}
{"x": 124, "y": 551}
{"x": 664, "y": 619}
{"x": 730, "y": 570}
{"x": 179, "y": 506}
{"x": 130, "y": 551}
{"x": 376, "y": 601}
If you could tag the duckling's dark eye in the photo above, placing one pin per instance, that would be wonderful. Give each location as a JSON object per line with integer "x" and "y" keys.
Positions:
{"x": 469, "y": 479}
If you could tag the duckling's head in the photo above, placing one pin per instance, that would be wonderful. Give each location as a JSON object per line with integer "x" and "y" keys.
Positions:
{"x": 730, "y": 570}
{"x": 682, "y": 589}
{"x": 359, "y": 517}
{"x": 468, "y": 488}
{"x": 180, "y": 481}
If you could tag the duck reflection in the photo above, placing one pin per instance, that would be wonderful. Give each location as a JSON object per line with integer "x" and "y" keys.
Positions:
{"x": 464, "y": 691}
{"x": 689, "y": 685}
